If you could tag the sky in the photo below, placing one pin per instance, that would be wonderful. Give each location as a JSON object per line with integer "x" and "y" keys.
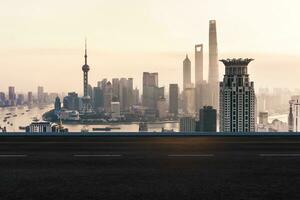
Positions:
{"x": 42, "y": 41}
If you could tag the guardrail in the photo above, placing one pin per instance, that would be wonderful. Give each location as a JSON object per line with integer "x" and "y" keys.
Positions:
{"x": 151, "y": 134}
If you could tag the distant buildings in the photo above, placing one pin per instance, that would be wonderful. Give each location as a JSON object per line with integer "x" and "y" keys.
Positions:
{"x": 207, "y": 119}
{"x": 237, "y": 98}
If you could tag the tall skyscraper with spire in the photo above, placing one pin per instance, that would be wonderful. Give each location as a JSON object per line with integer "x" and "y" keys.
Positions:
{"x": 200, "y": 84}
{"x": 86, "y": 99}
{"x": 186, "y": 72}
{"x": 198, "y": 64}
{"x": 213, "y": 74}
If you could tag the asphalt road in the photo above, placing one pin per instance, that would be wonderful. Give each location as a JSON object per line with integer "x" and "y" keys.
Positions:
{"x": 149, "y": 168}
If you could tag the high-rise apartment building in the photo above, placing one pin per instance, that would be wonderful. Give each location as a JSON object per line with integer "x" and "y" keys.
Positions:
{"x": 237, "y": 98}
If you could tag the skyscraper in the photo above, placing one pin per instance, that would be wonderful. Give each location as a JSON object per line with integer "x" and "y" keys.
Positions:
{"x": 213, "y": 74}
{"x": 200, "y": 84}
{"x": 173, "y": 99}
{"x": 237, "y": 98}
{"x": 186, "y": 72}
{"x": 198, "y": 64}
{"x": 86, "y": 99}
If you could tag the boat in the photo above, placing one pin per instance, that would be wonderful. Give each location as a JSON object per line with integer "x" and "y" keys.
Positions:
{"x": 27, "y": 110}
{"x": 22, "y": 127}
{"x": 102, "y": 129}
{"x": 106, "y": 128}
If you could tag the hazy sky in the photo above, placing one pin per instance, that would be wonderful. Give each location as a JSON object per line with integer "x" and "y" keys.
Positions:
{"x": 42, "y": 41}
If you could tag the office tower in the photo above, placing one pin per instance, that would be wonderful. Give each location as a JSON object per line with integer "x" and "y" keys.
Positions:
{"x": 71, "y": 102}
{"x": 237, "y": 98}
{"x": 57, "y": 104}
{"x": 173, "y": 99}
{"x": 116, "y": 88}
{"x": 207, "y": 119}
{"x": 107, "y": 97}
{"x": 294, "y": 114}
{"x": 136, "y": 96}
{"x": 115, "y": 110}
{"x": 162, "y": 108}
{"x": 98, "y": 99}
{"x": 29, "y": 98}
{"x": 189, "y": 101}
{"x": 186, "y": 72}
{"x": 263, "y": 118}
{"x": 40, "y": 94}
{"x": 86, "y": 99}
{"x": 213, "y": 75}
{"x": 187, "y": 124}
{"x": 150, "y": 90}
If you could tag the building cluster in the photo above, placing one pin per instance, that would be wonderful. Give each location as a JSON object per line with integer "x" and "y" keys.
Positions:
{"x": 203, "y": 92}
{"x": 19, "y": 99}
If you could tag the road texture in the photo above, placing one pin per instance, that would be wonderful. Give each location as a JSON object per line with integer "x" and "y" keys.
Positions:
{"x": 149, "y": 168}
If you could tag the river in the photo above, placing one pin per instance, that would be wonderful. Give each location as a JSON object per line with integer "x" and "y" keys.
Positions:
{"x": 24, "y": 118}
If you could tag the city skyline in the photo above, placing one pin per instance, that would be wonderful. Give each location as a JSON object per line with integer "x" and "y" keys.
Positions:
{"x": 52, "y": 49}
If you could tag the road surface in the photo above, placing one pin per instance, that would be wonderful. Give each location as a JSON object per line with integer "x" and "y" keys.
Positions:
{"x": 149, "y": 168}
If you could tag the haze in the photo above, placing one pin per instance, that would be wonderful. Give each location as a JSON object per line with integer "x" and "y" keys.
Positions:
{"x": 42, "y": 41}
